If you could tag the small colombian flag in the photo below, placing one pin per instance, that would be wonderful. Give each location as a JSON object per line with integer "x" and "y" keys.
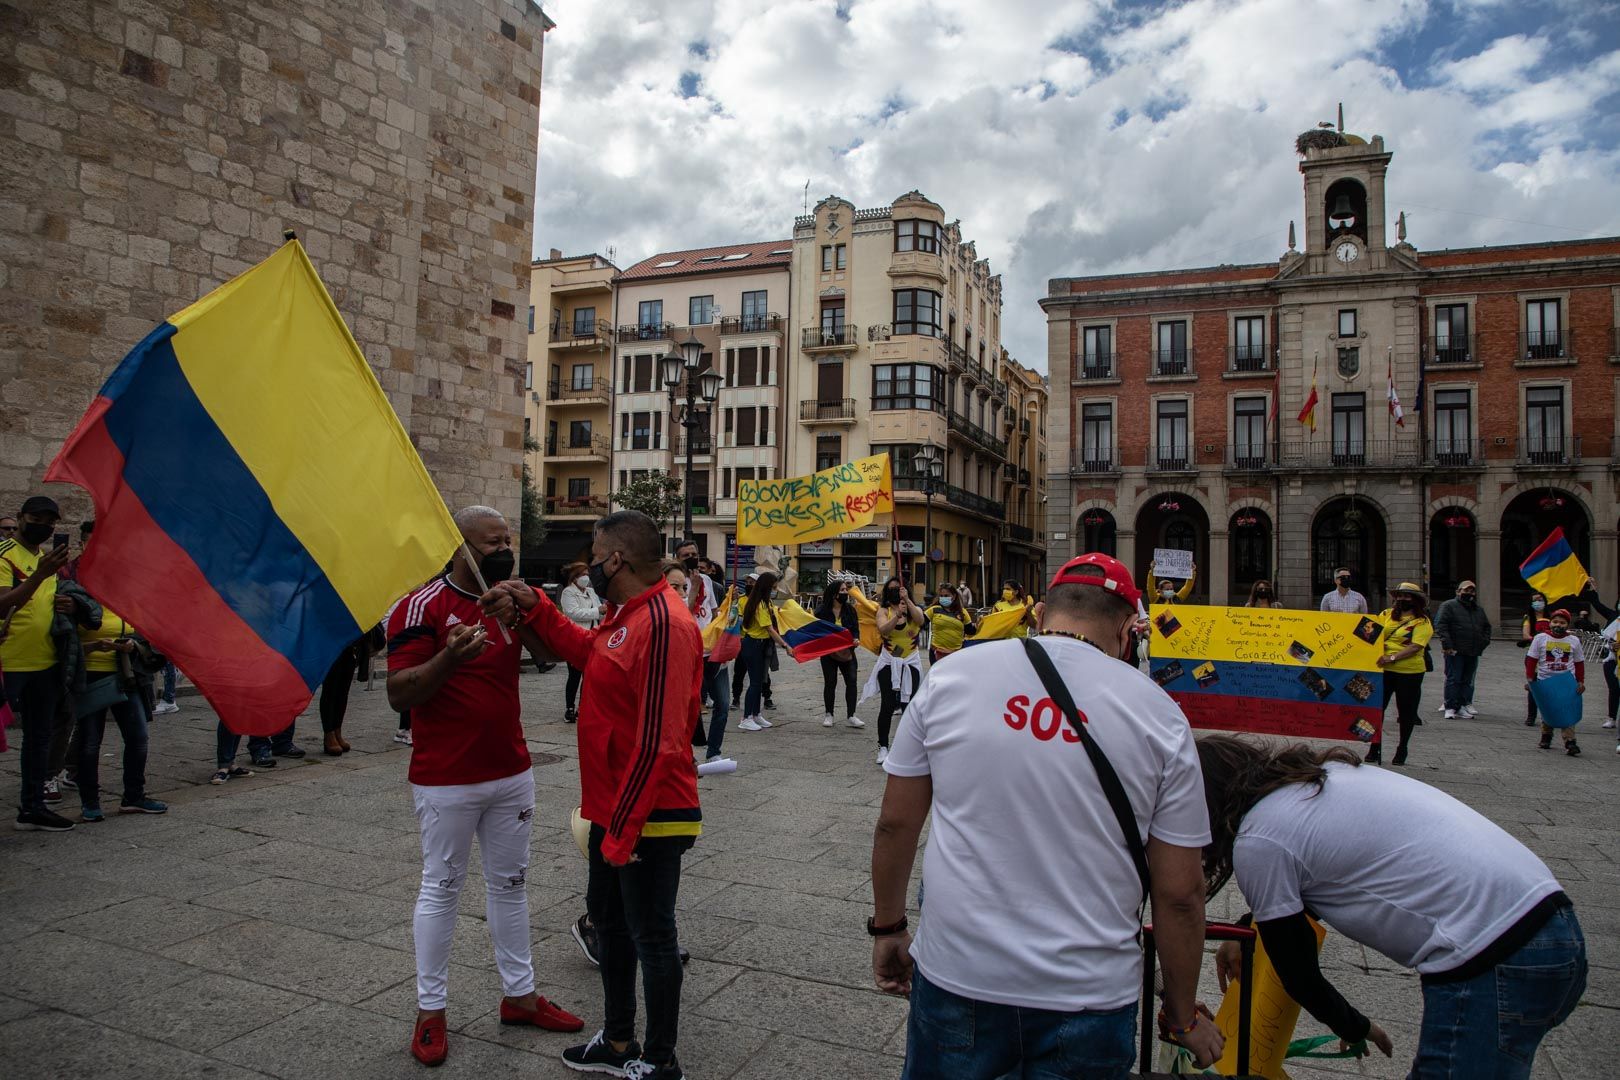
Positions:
{"x": 1553, "y": 570}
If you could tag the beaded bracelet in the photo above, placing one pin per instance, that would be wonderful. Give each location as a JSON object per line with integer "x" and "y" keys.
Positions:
{"x": 1175, "y": 1032}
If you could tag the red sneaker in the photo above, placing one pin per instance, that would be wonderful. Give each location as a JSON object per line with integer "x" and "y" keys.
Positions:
{"x": 428, "y": 1043}
{"x": 543, "y": 1015}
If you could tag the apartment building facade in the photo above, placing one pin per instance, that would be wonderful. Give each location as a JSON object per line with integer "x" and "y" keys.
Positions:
{"x": 567, "y": 412}
{"x": 735, "y": 300}
{"x": 896, "y": 342}
{"x": 1182, "y": 391}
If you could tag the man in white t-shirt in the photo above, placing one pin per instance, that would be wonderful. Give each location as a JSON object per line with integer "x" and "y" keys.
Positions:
{"x": 1342, "y": 598}
{"x": 1027, "y": 946}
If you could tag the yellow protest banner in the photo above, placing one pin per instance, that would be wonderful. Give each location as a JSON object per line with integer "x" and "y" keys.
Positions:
{"x": 802, "y": 508}
{"x": 1301, "y": 674}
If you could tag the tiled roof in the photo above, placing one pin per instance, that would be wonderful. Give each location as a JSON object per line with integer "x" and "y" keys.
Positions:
{"x": 763, "y": 254}
{"x": 1538, "y": 251}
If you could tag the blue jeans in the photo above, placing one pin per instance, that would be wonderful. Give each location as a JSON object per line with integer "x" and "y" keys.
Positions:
{"x": 130, "y": 716}
{"x": 262, "y": 746}
{"x": 227, "y": 742}
{"x": 1520, "y": 1000}
{"x": 1460, "y": 671}
{"x": 717, "y": 684}
{"x": 957, "y": 1037}
{"x": 34, "y": 696}
{"x": 169, "y": 675}
{"x": 751, "y": 660}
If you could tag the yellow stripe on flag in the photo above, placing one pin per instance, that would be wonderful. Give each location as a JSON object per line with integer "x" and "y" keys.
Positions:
{"x": 270, "y": 358}
{"x": 866, "y": 614}
{"x": 1000, "y": 624}
{"x": 722, "y": 616}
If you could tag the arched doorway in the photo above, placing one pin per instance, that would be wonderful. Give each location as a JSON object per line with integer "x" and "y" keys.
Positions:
{"x": 1452, "y": 556}
{"x": 1349, "y": 532}
{"x": 1526, "y": 522}
{"x": 1098, "y": 532}
{"x": 1249, "y": 535}
{"x": 1173, "y": 520}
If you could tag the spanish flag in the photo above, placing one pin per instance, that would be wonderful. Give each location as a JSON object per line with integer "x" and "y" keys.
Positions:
{"x": 259, "y": 504}
{"x": 1553, "y": 570}
{"x": 1307, "y": 415}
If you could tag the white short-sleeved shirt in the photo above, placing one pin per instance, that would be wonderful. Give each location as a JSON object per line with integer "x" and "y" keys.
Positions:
{"x": 1031, "y": 895}
{"x": 1390, "y": 862}
{"x": 1555, "y": 655}
{"x": 1351, "y": 602}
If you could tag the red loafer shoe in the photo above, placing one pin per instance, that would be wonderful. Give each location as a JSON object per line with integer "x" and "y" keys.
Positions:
{"x": 428, "y": 1043}
{"x": 543, "y": 1015}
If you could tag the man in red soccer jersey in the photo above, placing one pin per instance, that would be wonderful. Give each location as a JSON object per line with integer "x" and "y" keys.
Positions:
{"x": 470, "y": 776}
{"x": 644, "y": 666}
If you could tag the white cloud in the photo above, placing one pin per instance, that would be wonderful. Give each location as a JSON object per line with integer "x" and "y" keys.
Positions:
{"x": 1074, "y": 137}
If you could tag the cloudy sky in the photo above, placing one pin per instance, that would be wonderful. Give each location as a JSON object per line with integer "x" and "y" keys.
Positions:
{"x": 1071, "y": 137}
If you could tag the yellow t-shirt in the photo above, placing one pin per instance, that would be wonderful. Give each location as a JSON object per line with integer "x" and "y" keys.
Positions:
{"x": 946, "y": 629}
{"x": 902, "y": 640}
{"x": 1398, "y": 635}
{"x": 112, "y": 628}
{"x": 1013, "y": 605}
{"x": 28, "y": 647}
{"x": 760, "y": 625}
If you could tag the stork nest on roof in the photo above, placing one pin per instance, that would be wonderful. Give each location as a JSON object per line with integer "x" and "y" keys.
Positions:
{"x": 1318, "y": 139}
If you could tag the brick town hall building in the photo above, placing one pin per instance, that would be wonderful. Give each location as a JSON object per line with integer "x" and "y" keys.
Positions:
{"x": 1183, "y": 388}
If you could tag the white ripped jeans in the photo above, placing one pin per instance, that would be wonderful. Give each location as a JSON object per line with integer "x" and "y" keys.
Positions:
{"x": 499, "y": 813}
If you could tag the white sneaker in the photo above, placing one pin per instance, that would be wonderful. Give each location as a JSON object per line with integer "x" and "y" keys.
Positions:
{"x": 1451, "y": 714}
{"x": 403, "y": 736}
{"x": 749, "y": 725}
{"x": 1467, "y": 712}
{"x": 827, "y": 721}
{"x": 882, "y": 754}
{"x": 762, "y": 722}
{"x": 164, "y": 708}
{"x": 1609, "y": 723}
{"x": 855, "y": 721}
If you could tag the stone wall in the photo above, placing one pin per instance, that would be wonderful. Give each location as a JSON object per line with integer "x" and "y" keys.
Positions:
{"x": 152, "y": 149}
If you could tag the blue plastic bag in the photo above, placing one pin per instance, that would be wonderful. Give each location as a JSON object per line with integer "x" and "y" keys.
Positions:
{"x": 1558, "y": 700}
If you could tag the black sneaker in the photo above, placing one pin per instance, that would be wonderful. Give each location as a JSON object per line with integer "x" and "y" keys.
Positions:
{"x": 1375, "y": 756}
{"x": 1572, "y": 748}
{"x": 266, "y": 762}
{"x": 646, "y": 1070}
{"x": 1400, "y": 756}
{"x": 1545, "y": 743}
{"x": 570, "y": 716}
{"x": 294, "y": 752}
{"x": 41, "y": 821}
{"x": 685, "y": 956}
{"x": 584, "y": 935}
{"x": 598, "y": 1056}
{"x": 769, "y": 704}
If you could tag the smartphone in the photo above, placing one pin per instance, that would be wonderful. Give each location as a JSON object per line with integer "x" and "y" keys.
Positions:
{"x": 59, "y": 540}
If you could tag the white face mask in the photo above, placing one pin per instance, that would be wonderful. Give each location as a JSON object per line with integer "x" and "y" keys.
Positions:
{"x": 583, "y": 582}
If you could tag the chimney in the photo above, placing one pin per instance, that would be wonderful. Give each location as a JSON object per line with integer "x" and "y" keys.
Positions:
{"x": 556, "y": 253}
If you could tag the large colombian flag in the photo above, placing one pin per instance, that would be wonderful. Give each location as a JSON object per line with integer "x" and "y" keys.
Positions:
{"x": 1553, "y": 570}
{"x": 257, "y": 502}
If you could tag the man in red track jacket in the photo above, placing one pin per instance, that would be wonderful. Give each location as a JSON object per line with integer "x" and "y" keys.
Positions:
{"x": 644, "y": 668}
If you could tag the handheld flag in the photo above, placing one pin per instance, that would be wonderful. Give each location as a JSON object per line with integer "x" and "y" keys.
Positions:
{"x": 1394, "y": 398}
{"x": 1553, "y": 570}
{"x": 866, "y": 615}
{"x": 260, "y": 504}
{"x": 998, "y": 625}
{"x": 721, "y": 620}
{"x": 809, "y": 637}
{"x": 1307, "y": 415}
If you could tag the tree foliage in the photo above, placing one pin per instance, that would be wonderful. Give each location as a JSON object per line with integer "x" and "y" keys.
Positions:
{"x": 656, "y": 494}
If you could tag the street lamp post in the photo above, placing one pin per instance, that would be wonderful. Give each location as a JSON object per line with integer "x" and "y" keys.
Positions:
{"x": 696, "y": 401}
{"x": 932, "y": 469}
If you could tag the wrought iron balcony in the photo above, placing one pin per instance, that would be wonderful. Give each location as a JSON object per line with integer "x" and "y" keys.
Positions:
{"x": 1548, "y": 452}
{"x": 578, "y": 389}
{"x": 1248, "y": 457}
{"x": 961, "y": 425}
{"x": 596, "y": 446}
{"x": 1248, "y": 358}
{"x": 1094, "y": 366}
{"x": 1009, "y": 471}
{"x": 1168, "y": 362}
{"x": 1454, "y": 349}
{"x": 576, "y": 505}
{"x": 967, "y": 500}
{"x": 647, "y": 332}
{"x": 1023, "y": 477}
{"x": 1172, "y": 459}
{"x": 817, "y": 338}
{"x": 1350, "y": 454}
{"x": 1454, "y": 453}
{"x": 1094, "y": 462}
{"x": 751, "y": 324}
{"x": 1546, "y": 345}
{"x": 837, "y": 411}
{"x": 582, "y": 334}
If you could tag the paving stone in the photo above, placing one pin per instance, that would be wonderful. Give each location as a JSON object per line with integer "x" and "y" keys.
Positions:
{"x": 854, "y": 1018}
{"x": 207, "y": 1010}
{"x": 153, "y": 922}
{"x": 343, "y": 912}
{"x": 79, "y": 975}
{"x": 63, "y": 1046}
{"x": 290, "y": 958}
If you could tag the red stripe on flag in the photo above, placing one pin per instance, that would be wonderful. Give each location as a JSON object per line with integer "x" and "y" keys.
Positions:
{"x": 823, "y": 646}
{"x": 136, "y": 569}
{"x": 1269, "y": 716}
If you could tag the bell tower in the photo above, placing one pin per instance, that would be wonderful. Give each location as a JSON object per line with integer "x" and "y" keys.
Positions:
{"x": 1344, "y": 199}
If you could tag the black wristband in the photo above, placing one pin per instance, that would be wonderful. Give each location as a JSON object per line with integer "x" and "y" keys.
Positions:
{"x": 884, "y": 931}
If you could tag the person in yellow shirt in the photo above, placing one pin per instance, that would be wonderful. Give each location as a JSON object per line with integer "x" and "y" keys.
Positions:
{"x": 1166, "y": 591}
{"x": 949, "y": 622}
{"x": 758, "y": 631}
{"x": 111, "y": 652}
{"x": 1407, "y": 631}
{"x": 28, "y": 654}
{"x": 898, "y": 671}
{"x": 1013, "y": 596}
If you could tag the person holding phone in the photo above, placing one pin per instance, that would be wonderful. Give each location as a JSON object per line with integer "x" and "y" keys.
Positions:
{"x": 114, "y": 659}
{"x": 28, "y": 577}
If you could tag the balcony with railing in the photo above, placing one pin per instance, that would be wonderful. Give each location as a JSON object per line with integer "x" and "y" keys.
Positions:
{"x": 576, "y": 505}
{"x": 1442, "y": 453}
{"x": 1454, "y": 349}
{"x": 1094, "y": 366}
{"x": 1009, "y": 471}
{"x": 1546, "y": 346}
{"x": 1312, "y": 454}
{"x": 842, "y": 338}
{"x": 998, "y": 387}
{"x": 582, "y": 391}
{"x": 1170, "y": 363}
{"x": 751, "y": 324}
{"x": 1247, "y": 358}
{"x": 1023, "y": 477}
{"x": 1248, "y": 457}
{"x": 961, "y": 425}
{"x": 589, "y": 335}
{"x": 978, "y": 504}
{"x": 958, "y": 360}
{"x": 837, "y": 411}
{"x": 1172, "y": 459}
{"x": 1547, "y": 452}
{"x": 1093, "y": 462}
{"x": 1018, "y": 534}
{"x": 698, "y": 444}
{"x": 646, "y": 332}
{"x": 593, "y": 448}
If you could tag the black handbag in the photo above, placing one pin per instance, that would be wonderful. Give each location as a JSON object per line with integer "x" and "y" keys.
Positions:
{"x": 1118, "y": 800}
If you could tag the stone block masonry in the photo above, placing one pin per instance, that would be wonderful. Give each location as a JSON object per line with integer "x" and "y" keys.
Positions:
{"x": 152, "y": 149}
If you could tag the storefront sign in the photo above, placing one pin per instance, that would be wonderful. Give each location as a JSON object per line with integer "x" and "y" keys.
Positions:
{"x": 816, "y": 547}
{"x": 909, "y": 547}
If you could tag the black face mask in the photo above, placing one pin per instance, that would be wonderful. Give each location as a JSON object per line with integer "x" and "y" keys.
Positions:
{"x": 34, "y": 533}
{"x": 1557, "y": 631}
{"x": 891, "y": 597}
{"x": 1467, "y": 598}
{"x": 1344, "y": 583}
{"x": 600, "y": 578}
{"x": 497, "y": 565}
{"x": 1402, "y": 606}
{"x": 1262, "y": 593}
{"x": 691, "y": 563}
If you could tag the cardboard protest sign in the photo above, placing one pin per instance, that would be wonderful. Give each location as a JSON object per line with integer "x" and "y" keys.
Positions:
{"x": 814, "y": 507}
{"x": 1273, "y": 671}
{"x": 1172, "y": 563}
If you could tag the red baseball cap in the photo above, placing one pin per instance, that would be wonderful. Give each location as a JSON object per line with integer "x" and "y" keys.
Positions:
{"x": 1561, "y": 613}
{"x": 1115, "y": 577}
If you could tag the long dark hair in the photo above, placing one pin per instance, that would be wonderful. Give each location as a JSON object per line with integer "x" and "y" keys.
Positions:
{"x": 1254, "y": 593}
{"x": 760, "y": 593}
{"x": 829, "y": 595}
{"x": 1239, "y": 773}
{"x": 883, "y": 596}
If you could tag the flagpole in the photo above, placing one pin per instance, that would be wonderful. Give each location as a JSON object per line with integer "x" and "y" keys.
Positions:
{"x": 483, "y": 586}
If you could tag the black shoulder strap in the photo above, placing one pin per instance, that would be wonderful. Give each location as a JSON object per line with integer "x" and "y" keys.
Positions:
{"x": 1112, "y": 788}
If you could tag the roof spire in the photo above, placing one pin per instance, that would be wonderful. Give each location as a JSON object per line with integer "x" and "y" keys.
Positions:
{"x": 1341, "y": 118}
{"x": 1291, "y": 236}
